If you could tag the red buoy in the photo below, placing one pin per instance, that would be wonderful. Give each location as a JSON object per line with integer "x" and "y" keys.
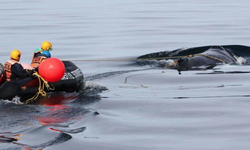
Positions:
{"x": 52, "y": 69}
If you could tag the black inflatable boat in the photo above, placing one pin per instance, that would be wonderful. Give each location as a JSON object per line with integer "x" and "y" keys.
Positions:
{"x": 72, "y": 81}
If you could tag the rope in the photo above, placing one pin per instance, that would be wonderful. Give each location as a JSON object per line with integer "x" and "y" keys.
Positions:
{"x": 135, "y": 59}
{"x": 203, "y": 55}
{"x": 211, "y": 57}
{"x": 42, "y": 84}
{"x": 154, "y": 58}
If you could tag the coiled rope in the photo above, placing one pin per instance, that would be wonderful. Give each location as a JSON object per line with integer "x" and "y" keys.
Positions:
{"x": 42, "y": 83}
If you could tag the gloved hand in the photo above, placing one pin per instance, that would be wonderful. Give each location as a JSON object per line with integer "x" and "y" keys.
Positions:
{"x": 36, "y": 69}
{"x": 30, "y": 72}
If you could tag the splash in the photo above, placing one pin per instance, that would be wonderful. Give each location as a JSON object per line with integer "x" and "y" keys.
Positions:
{"x": 15, "y": 100}
{"x": 91, "y": 88}
{"x": 241, "y": 61}
{"x": 157, "y": 63}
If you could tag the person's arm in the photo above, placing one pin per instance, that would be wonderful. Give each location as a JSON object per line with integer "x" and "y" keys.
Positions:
{"x": 18, "y": 71}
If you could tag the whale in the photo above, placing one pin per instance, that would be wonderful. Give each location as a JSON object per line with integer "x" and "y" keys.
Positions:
{"x": 197, "y": 58}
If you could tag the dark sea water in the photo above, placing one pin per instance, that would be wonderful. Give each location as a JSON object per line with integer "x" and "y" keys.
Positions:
{"x": 124, "y": 105}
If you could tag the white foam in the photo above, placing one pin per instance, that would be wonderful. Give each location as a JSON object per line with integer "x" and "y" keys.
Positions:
{"x": 241, "y": 61}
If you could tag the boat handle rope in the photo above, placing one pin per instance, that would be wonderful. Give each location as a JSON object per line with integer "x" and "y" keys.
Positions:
{"x": 42, "y": 84}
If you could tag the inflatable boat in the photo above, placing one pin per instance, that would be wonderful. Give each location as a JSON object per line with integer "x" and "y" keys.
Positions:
{"x": 26, "y": 88}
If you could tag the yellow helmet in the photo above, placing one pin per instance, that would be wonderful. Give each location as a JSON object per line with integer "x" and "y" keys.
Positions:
{"x": 15, "y": 54}
{"x": 46, "y": 46}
